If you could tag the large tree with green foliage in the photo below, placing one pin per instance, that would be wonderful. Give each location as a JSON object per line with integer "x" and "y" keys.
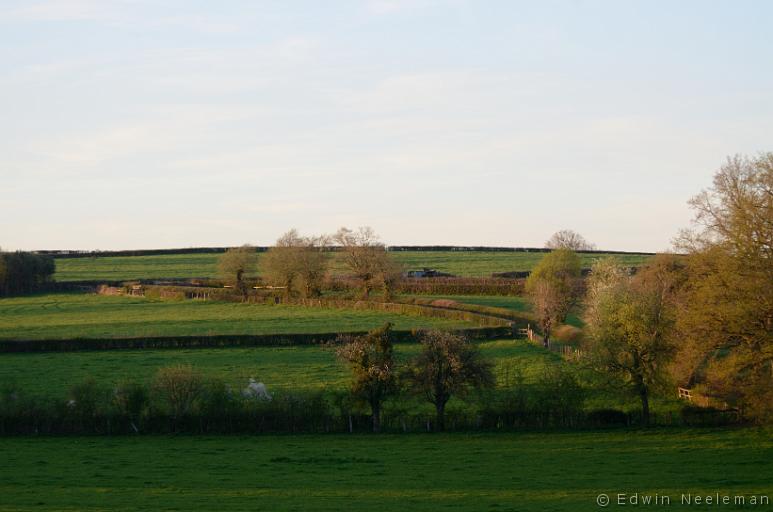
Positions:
{"x": 553, "y": 287}
{"x": 630, "y": 322}
{"x": 448, "y": 365}
{"x": 727, "y": 326}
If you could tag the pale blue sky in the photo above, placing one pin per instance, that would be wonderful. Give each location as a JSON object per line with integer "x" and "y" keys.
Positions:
{"x": 141, "y": 124}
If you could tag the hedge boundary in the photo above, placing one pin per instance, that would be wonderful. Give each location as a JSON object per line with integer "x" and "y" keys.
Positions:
{"x": 9, "y": 346}
{"x": 490, "y": 327}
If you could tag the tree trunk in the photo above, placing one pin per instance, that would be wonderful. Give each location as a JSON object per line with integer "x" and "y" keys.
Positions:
{"x": 440, "y": 416}
{"x": 546, "y": 338}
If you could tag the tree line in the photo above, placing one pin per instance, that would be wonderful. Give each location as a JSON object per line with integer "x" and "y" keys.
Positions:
{"x": 298, "y": 265}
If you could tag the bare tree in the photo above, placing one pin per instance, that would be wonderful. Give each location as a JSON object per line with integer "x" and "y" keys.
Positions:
{"x": 297, "y": 263}
{"x": 279, "y": 265}
{"x": 368, "y": 259}
{"x": 313, "y": 259}
{"x": 568, "y": 239}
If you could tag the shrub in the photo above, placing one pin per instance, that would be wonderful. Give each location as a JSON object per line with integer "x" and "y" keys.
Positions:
{"x": 177, "y": 389}
{"x": 131, "y": 400}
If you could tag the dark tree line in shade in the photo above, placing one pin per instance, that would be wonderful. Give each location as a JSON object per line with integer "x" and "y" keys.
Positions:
{"x": 23, "y": 272}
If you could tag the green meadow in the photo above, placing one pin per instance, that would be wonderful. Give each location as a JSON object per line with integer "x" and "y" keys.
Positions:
{"x": 414, "y": 472}
{"x": 291, "y": 368}
{"x": 71, "y": 315}
{"x": 460, "y": 263}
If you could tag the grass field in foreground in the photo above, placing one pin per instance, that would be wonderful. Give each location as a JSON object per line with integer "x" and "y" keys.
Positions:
{"x": 280, "y": 368}
{"x": 70, "y": 315}
{"x": 495, "y": 472}
{"x": 474, "y": 264}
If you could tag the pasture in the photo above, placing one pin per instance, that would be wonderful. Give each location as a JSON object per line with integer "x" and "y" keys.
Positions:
{"x": 502, "y": 472}
{"x": 460, "y": 263}
{"x": 73, "y": 315}
{"x": 512, "y": 302}
{"x": 293, "y": 368}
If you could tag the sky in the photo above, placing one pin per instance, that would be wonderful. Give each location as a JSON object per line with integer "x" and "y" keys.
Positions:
{"x": 128, "y": 124}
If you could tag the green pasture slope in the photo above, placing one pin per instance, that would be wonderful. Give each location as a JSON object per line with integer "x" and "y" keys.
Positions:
{"x": 71, "y": 315}
{"x": 472, "y": 264}
{"x": 292, "y": 368}
{"x": 417, "y": 472}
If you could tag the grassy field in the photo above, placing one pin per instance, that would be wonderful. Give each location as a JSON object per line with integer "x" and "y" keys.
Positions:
{"x": 501, "y": 472}
{"x": 281, "y": 368}
{"x": 514, "y": 303}
{"x": 69, "y": 315}
{"x": 473, "y": 264}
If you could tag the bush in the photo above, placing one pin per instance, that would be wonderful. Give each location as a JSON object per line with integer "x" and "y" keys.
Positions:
{"x": 177, "y": 388}
{"x": 131, "y": 400}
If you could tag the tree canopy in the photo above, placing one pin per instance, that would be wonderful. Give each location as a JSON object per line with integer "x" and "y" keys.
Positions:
{"x": 727, "y": 326}
{"x": 553, "y": 287}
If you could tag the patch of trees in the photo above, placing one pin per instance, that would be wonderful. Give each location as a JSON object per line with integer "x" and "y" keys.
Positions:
{"x": 702, "y": 320}
{"x": 726, "y": 324}
{"x": 24, "y": 272}
{"x": 298, "y": 265}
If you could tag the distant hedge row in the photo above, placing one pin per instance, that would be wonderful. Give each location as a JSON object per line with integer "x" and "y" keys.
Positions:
{"x": 395, "y": 248}
{"x": 462, "y": 286}
{"x": 24, "y": 272}
{"x": 216, "y": 341}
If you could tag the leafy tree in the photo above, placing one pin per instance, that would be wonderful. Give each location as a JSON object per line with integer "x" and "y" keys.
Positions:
{"x": 630, "y": 323}
{"x": 553, "y": 288}
{"x": 448, "y": 365}
{"x": 235, "y": 264}
{"x": 727, "y": 327}
{"x": 568, "y": 239}
{"x": 368, "y": 259}
{"x": 371, "y": 359}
